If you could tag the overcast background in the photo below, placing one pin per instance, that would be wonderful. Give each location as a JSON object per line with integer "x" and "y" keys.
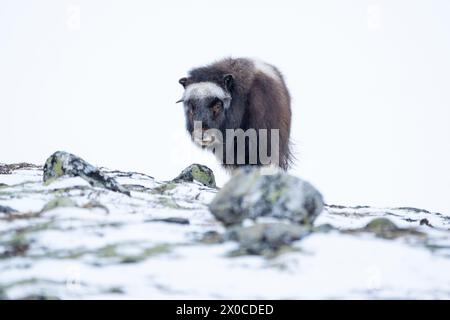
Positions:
{"x": 369, "y": 80}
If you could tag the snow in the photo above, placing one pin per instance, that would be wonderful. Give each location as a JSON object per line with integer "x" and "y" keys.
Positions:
{"x": 88, "y": 253}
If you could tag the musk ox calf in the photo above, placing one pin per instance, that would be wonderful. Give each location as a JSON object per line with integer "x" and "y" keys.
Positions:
{"x": 240, "y": 110}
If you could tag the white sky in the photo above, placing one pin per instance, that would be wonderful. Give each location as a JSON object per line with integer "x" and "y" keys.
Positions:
{"x": 369, "y": 80}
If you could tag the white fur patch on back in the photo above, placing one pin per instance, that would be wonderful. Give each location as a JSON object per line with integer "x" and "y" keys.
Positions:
{"x": 202, "y": 90}
{"x": 266, "y": 68}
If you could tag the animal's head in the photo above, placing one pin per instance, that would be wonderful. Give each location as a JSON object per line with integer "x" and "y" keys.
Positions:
{"x": 206, "y": 102}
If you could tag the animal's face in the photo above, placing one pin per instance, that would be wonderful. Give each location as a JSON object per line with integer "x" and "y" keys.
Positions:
{"x": 205, "y": 103}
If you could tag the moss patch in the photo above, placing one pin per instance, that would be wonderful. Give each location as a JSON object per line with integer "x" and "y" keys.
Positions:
{"x": 59, "y": 203}
{"x": 113, "y": 251}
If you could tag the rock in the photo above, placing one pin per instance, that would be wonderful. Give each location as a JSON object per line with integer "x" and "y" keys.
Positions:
{"x": 14, "y": 250}
{"x": 170, "y": 220}
{"x": 64, "y": 253}
{"x": 6, "y": 209}
{"x": 4, "y": 169}
{"x": 425, "y": 222}
{"x": 212, "y": 237}
{"x": 250, "y": 194}
{"x": 416, "y": 210}
{"x": 199, "y": 173}
{"x": 264, "y": 238}
{"x": 386, "y": 229}
{"x": 23, "y": 165}
{"x": 40, "y": 297}
{"x": 380, "y": 225}
{"x": 18, "y": 245}
{"x": 95, "y": 204}
{"x": 324, "y": 228}
{"x": 9, "y": 168}
{"x": 65, "y": 164}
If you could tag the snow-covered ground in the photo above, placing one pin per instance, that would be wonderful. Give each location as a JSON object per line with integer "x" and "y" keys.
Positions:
{"x": 95, "y": 243}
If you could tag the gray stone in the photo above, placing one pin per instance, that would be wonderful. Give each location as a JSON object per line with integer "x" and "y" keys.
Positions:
{"x": 4, "y": 169}
{"x": 66, "y": 164}
{"x": 175, "y": 220}
{"x": 381, "y": 225}
{"x": 386, "y": 229}
{"x": 266, "y": 237}
{"x": 9, "y": 168}
{"x": 252, "y": 194}
{"x": 6, "y": 209}
{"x": 212, "y": 237}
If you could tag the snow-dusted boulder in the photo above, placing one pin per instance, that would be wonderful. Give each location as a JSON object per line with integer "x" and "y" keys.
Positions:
{"x": 251, "y": 194}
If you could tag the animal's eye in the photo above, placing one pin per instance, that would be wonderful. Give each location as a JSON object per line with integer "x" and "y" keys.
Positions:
{"x": 216, "y": 107}
{"x": 217, "y": 103}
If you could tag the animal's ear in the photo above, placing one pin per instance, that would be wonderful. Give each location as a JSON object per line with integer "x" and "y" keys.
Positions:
{"x": 183, "y": 81}
{"x": 228, "y": 81}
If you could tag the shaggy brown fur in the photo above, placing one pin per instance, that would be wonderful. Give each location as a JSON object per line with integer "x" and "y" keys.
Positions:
{"x": 259, "y": 100}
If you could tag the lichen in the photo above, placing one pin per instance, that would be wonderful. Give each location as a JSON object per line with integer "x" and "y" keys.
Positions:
{"x": 199, "y": 173}
{"x": 381, "y": 225}
{"x": 58, "y": 168}
{"x": 58, "y": 203}
{"x": 146, "y": 253}
{"x": 164, "y": 188}
{"x": 202, "y": 176}
{"x": 169, "y": 202}
{"x": 113, "y": 252}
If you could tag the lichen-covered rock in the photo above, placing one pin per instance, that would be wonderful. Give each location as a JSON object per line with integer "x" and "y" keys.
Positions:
{"x": 381, "y": 225}
{"x": 266, "y": 238}
{"x": 252, "y": 194}
{"x": 199, "y": 173}
{"x": 66, "y": 164}
{"x": 385, "y": 228}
